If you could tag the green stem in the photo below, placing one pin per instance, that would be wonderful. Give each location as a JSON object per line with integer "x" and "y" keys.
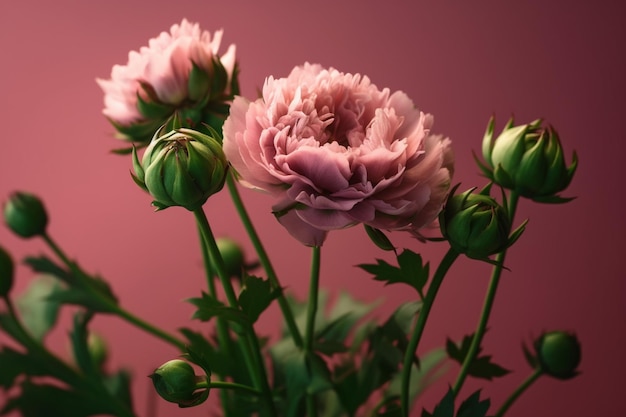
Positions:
{"x": 249, "y": 344}
{"x": 264, "y": 259}
{"x": 309, "y": 335}
{"x": 519, "y": 391}
{"x": 221, "y": 325}
{"x": 228, "y": 386}
{"x": 487, "y": 306}
{"x": 409, "y": 354}
{"x": 112, "y": 306}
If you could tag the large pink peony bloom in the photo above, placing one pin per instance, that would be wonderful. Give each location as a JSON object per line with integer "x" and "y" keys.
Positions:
{"x": 178, "y": 71}
{"x": 337, "y": 151}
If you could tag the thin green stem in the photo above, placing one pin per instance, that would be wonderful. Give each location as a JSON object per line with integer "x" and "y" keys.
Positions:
{"x": 309, "y": 335}
{"x": 420, "y": 324}
{"x": 487, "y": 305}
{"x": 249, "y": 343}
{"x": 221, "y": 325}
{"x": 223, "y": 385}
{"x": 518, "y": 392}
{"x": 112, "y": 306}
{"x": 264, "y": 259}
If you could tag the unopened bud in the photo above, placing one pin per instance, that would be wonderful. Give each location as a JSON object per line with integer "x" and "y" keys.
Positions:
{"x": 25, "y": 215}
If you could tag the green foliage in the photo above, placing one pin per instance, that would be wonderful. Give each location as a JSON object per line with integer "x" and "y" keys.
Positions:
{"x": 410, "y": 270}
{"x": 210, "y": 307}
{"x": 256, "y": 296}
{"x": 473, "y": 406}
{"x": 481, "y": 366}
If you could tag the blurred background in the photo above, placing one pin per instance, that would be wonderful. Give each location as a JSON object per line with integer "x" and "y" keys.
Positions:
{"x": 461, "y": 61}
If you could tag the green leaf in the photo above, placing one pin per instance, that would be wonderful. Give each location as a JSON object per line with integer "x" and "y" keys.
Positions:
{"x": 209, "y": 307}
{"x": 410, "y": 270}
{"x": 256, "y": 296}
{"x": 379, "y": 238}
{"x": 481, "y": 366}
{"x": 473, "y": 406}
{"x": 118, "y": 385}
{"x": 14, "y": 363}
{"x": 78, "y": 337}
{"x": 445, "y": 407}
{"x": 39, "y": 313}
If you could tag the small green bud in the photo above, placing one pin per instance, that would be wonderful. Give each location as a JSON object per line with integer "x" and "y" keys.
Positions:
{"x": 559, "y": 354}
{"x": 98, "y": 349}
{"x": 528, "y": 159}
{"x": 181, "y": 168}
{"x": 476, "y": 225}
{"x": 233, "y": 256}
{"x": 25, "y": 215}
{"x": 175, "y": 381}
{"x": 6, "y": 272}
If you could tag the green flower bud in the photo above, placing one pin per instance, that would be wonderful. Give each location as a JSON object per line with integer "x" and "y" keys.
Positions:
{"x": 181, "y": 168}
{"x": 98, "y": 349}
{"x": 233, "y": 256}
{"x": 528, "y": 159}
{"x": 6, "y": 272}
{"x": 25, "y": 215}
{"x": 558, "y": 354}
{"x": 476, "y": 225}
{"x": 175, "y": 381}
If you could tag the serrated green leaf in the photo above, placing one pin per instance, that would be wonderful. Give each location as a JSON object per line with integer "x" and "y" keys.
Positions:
{"x": 410, "y": 271}
{"x": 445, "y": 407}
{"x": 209, "y": 307}
{"x": 256, "y": 296}
{"x": 37, "y": 312}
{"x": 481, "y": 367}
{"x": 473, "y": 406}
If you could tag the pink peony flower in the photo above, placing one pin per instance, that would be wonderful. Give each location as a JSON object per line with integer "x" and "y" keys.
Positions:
{"x": 337, "y": 151}
{"x": 179, "y": 71}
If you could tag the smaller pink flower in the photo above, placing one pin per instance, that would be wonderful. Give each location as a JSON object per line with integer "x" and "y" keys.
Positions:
{"x": 337, "y": 151}
{"x": 179, "y": 71}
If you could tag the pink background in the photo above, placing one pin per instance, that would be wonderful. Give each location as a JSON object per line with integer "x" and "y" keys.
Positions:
{"x": 461, "y": 61}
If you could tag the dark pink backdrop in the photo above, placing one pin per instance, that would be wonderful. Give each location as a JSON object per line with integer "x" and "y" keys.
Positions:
{"x": 462, "y": 62}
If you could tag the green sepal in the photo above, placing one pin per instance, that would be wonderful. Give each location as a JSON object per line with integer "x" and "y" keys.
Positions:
{"x": 152, "y": 109}
{"x": 487, "y": 143}
{"x": 530, "y": 357}
{"x": 198, "y": 83}
{"x": 379, "y": 238}
{"x": 553, "y": 199}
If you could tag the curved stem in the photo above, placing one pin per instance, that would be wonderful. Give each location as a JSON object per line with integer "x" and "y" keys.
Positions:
{"x": 487, "y": 305}
{"x": 249, "y": 343}
{"x": 409, "y": 354}
{"x": 519, "y": 391}
{"x": 309, "y": 335}
{"x": 264, "y": 259}
{"x": 112, "y": 306}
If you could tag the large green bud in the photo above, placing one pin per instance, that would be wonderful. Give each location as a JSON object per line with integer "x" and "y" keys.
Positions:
{"x": 7, "y": 269}
{"x": 476, "y": 225}
{"x": 181, "y": 168}
{"x": 528, "y": 159}
{"x": 176, "y": 382}
{"x": 558, "y": 354}
{"x": 25, "y": 215}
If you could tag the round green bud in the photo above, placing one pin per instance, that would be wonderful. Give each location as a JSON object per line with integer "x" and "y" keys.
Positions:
{"x": 7, "y": 269}
{"x": 559, "y": 354}
{"x": 25, "y": 215}
{"x": 528, "y": 159}
{"x": 233, "y": 256}
{"x": 475, "y": 225}
{"x": 182, "y": 168}
{"x": 175, "y": 381}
